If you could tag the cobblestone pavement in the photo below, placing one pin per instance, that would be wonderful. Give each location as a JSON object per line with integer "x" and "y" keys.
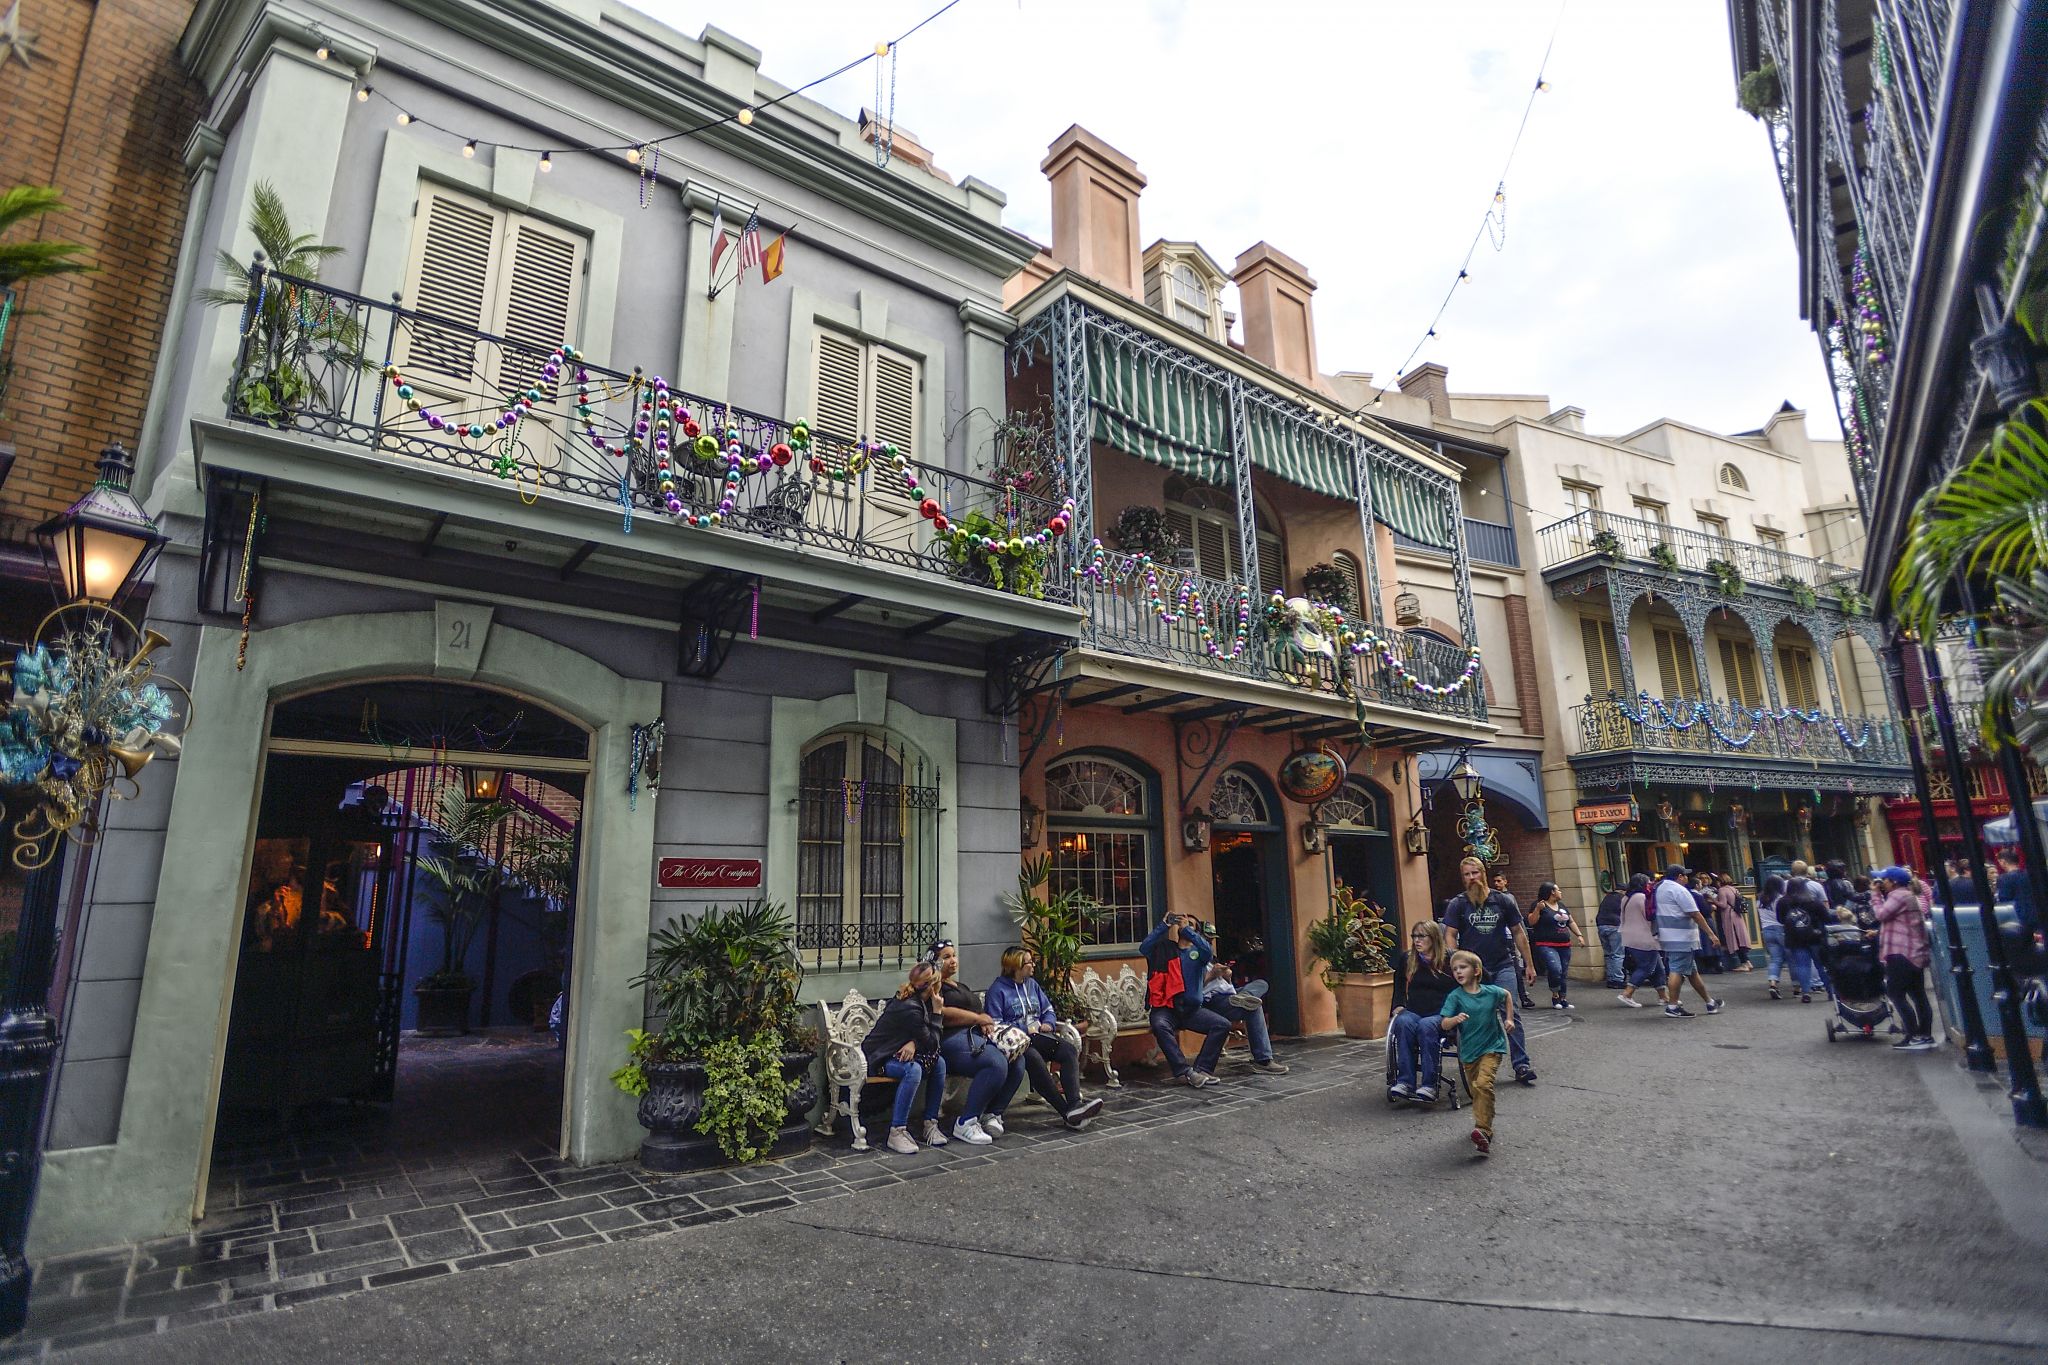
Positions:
{"x": 298, "y": 1221}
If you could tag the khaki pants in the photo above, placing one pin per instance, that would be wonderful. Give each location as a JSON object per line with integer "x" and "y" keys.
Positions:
{"x": 1479, "y": 1080}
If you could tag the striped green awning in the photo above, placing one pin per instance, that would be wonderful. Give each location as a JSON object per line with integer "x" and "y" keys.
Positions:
{"x": 1176, "y": 417}
{"x": 1157, "y": 411}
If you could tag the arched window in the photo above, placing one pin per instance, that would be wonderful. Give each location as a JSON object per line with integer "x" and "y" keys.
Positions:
{"x": 1190, "y": 297}
{"x": 1237, "y": 800}
{"x": 1731, "y": 477}
{"x": 1354, "y": 581}
{"x": 1204, "y": 518}
{"x": 867, "y": 847}
{"x": 1355, "y": 806}
{"x": 1101, "y": 820}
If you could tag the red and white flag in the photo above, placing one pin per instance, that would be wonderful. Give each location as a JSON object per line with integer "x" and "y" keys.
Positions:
{"x": 750, "y": 243}
{"x": 717, "y": 239}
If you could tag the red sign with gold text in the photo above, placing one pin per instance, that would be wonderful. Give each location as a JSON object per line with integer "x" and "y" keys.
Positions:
{"x": 710, "y": 874}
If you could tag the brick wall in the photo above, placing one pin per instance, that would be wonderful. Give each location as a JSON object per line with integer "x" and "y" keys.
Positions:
{"x": 102, "y": 113}
{"x": 1522, "y": 655}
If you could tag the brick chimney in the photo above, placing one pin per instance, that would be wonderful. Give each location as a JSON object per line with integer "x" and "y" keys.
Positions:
{"x": 1095, "y": 192}
{"x": 1276, "y": 293}
{"x": 1431, "y": 382}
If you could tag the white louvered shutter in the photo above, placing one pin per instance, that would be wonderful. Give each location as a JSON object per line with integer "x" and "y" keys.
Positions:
{"x": 1272, "y": 570}
{"x": 1354, "y": 583}
{"x": 892, "y": 386}
{"x": 1675, "y": 665}
{"x": 1598, "y": 642}
{"x": 836, "y": 411}
{"x": 544, "y": 282}
{"x": 453, "y": 276}
{"x": 1796, "y": 681}
{"x": 1738, "y": 665}
{"x": 1212, "y": 548}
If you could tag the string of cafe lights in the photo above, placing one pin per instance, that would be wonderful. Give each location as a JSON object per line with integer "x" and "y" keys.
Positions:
{"x": 1493, "y": 225}
{"x": 635, "y": 153}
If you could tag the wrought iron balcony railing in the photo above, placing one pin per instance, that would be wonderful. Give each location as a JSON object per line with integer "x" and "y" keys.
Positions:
{"x": 1604, "y": 535}
{"x": 1125, "y": 617}
{"x": 314, "y": 359}
{"x": 1728, "y": 729}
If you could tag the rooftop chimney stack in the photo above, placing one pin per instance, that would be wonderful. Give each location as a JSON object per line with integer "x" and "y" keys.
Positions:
{"x": 1431, "y": 382}
{"x": 1276, "y": 293}
{"x": 1095, "y": 192}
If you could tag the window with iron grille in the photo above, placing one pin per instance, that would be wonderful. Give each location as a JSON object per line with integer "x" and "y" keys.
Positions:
{"x": 1101, "y": 820}
{"x": 867, "y": 853}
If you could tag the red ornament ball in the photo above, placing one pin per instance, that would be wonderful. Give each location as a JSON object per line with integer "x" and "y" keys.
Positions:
{"x": 939, "y": 522}
{"x": 928, "y": 509}
{"x": 780, "y": 452}
{"x": 691, "y": 429}
{"x": 1058, "y": 526}
{"x": 817, "y": 464}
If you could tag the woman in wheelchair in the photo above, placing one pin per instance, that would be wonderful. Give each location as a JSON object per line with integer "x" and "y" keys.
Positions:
{"x": 1419, "y": 993}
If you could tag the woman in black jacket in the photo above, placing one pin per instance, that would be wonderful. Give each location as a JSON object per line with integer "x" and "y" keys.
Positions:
{"x": 1419, "y": 993}
{"x": 904, "y": 1045}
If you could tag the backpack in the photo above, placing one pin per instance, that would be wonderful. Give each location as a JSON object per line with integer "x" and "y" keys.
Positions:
{"x": 1796, "y": 921}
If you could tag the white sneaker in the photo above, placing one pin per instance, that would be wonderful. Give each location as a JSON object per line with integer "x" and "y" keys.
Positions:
{"x": 993, "y": 1125}
{"x": 900, "y": 1143}
{"x": 1425, "y": 1094}
{"x": 1397, "y": 1092}
{"x": 934, "y": 1136}
{"x": 969, "y": 1132}
{"x": 1630, "y": 1001}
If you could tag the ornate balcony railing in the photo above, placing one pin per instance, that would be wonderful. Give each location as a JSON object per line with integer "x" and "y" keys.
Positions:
{"x": 1123, "y": 619}
{"x": 1728, "y": 729}
{"x": 1595, "y": 535}
{"x": 314, "y": 360}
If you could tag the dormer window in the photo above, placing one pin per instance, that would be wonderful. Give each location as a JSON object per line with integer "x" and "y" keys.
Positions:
{"x": 1190, "y": 298}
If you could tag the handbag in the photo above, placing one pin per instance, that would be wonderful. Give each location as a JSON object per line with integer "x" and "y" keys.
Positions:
{"x": 1012, "y": 1040}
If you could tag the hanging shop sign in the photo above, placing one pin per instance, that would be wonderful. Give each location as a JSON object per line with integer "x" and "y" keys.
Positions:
{"x": 1605, "y": 816}
{"x": 1309, "y": 775}
{"x": 710, "y": 874}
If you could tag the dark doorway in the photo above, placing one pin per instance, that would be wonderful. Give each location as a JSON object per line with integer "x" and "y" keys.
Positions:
{"x": 1254, "y": 920}
{"x": 418, "y": 859}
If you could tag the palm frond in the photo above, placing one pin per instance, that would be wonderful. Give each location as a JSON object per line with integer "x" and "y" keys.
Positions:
{"x": 2016, "y": 659}
{"x": 1986, "y": 519}
{"x": 30, "y": 260}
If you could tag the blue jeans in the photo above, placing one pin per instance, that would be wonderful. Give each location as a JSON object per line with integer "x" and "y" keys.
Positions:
{"x": 1645, "y": 968}
{"x": 1509, "y": 978}
{"x": 1418, "y": 1044}
{"x": 985, "y": 1068}
{"x": 1805, "y": 970}
{"x": 909, "y": 1075}
{"x": 1554, "y": 962}
{"x": 1255, "y": 1030}
{"x": 1774, "y": 951}
{"x": 1614, "y": 956}
{"x": 1166, "y": 1027}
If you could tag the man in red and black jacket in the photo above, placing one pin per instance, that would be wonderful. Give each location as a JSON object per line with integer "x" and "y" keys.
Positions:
{"x": 1177, "y": 960}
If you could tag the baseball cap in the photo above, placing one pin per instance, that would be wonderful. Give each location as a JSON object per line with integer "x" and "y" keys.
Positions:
{"x": 1896, "y": 874}
{"x": 1677, "y": 870}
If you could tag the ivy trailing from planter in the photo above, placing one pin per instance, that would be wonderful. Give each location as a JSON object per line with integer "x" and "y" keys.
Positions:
{"x": 745, "y": 1097}
{"x": 1664, "y": 557}
{"x": 1727, "y": 577}
{"x": 1851, "y": 601}
{"x": 1802, "y": 591}
{"x": 1762, "y": 92}
{"x": 1607, "y": 545}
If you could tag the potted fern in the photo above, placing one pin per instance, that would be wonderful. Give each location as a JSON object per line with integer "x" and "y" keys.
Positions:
{"x": 1727, "y": 576}
{"x": 728, "y": 1074}
{"x": 1664, "y": 557}
{"x": 1802, "y": 591}
{"x": 1353, "y": 942}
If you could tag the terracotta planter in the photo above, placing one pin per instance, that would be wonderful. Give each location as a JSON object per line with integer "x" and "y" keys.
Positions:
{"x": 1365, "y": 1002}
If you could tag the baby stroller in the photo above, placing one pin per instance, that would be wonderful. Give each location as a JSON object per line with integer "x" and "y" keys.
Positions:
{"x": 1860, "y": 1002}
{"x": 1450, "y": 1071}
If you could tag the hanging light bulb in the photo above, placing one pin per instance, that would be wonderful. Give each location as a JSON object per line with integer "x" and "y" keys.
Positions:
{"x": 1500, "y": 196}
{"x": 547, "y": 161}
{"x": 469, "y": 149}
{"x": 321, "y": 51}
{"x": 881, "y": 49}
{"x": 403, "y": 118}
{"x": 362, "y": 94}
{"x": 746, "y": 118}
{"x": 632, "y": 156}
{"x": 1542, "y": 84}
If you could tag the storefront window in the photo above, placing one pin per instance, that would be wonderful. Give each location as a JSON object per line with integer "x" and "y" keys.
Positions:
{"x": 1101, "y": 822}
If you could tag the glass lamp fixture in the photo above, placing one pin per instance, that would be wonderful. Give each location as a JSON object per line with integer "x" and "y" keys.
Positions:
{"x": 1465, "y": 779}
{"x": 98, "y": 548}
{"x": 485, "y": 783}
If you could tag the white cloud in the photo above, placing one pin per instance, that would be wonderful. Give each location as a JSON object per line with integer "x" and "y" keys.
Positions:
{"x": 1648, "y": 267}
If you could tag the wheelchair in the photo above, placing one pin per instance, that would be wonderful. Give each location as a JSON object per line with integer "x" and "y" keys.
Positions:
{"x": 1450, "y": 1072}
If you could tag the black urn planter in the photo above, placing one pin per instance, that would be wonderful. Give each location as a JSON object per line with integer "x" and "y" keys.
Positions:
{"x": 674, "y": 1102}
{"x": 444, "y": 1010}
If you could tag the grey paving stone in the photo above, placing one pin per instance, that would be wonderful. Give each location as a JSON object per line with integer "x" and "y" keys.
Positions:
{"x": 212, "y": 1272}
{"x": 516, "y": 1200}
{"x": 490, "y": 1258}
{"x": 613, "y": 1219}
{"x": 519, "y": 1237}
{"x": 408, "y": 1275}
{"x": 294, "y": 1297}
{"x": 440, "y": 1246}
{"x": 340, "y": 1259}
{"x": 440, "y": 1218}
{"x": 352, "y": 1235}
{"x": 549, "y": 1213}
{"x": 568, "y": 1244}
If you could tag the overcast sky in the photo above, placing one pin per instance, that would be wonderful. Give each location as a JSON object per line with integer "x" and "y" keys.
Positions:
{"x": 1648, "y": 267}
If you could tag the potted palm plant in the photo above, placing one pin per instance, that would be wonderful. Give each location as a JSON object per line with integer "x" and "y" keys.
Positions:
{"x": 1353, "y": 942}
{"x": 729, "y": 1073}
{"x": 458, "y": 866}
{"x": 1053, "y": 928}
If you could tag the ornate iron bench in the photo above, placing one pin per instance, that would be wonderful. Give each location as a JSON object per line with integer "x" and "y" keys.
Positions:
{"x": 1116, "y": 1006}
{"x": 844, "y": 1025}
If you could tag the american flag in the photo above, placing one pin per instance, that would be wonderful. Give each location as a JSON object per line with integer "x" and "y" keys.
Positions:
{"x": 750, "y": 242}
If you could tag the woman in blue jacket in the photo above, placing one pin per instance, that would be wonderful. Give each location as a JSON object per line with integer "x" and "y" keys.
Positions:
{"x": 1017, "y": 1000}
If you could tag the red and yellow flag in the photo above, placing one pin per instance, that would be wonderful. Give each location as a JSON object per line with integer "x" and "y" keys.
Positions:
{"x": 771, "y": 259}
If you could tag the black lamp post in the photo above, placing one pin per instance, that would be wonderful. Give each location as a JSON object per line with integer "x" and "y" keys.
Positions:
{"x": 96, "y": 550}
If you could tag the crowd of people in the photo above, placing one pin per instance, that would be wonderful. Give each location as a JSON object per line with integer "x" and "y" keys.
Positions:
{"x": 1461, "y": 984}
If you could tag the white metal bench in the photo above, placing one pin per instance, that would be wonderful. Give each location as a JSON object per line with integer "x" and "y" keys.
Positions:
{"x": 844, "y": 1025}
{"x": 1115, "y": 1005}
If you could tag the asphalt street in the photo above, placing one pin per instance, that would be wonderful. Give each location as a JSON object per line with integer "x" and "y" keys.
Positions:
{"x": 1728, "y": 1188}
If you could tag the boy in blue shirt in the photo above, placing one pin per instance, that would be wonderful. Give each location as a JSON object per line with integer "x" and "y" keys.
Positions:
{"x": 1483, "y": 1014}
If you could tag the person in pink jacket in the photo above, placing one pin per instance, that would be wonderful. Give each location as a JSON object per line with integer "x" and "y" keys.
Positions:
{"x": 1902, "y": 948}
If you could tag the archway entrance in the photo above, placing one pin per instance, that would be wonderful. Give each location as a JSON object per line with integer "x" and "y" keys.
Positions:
{"x": 1361, "y": 844}
{"x": 1254, "y": 912}
{"x": 401, "y": 984}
